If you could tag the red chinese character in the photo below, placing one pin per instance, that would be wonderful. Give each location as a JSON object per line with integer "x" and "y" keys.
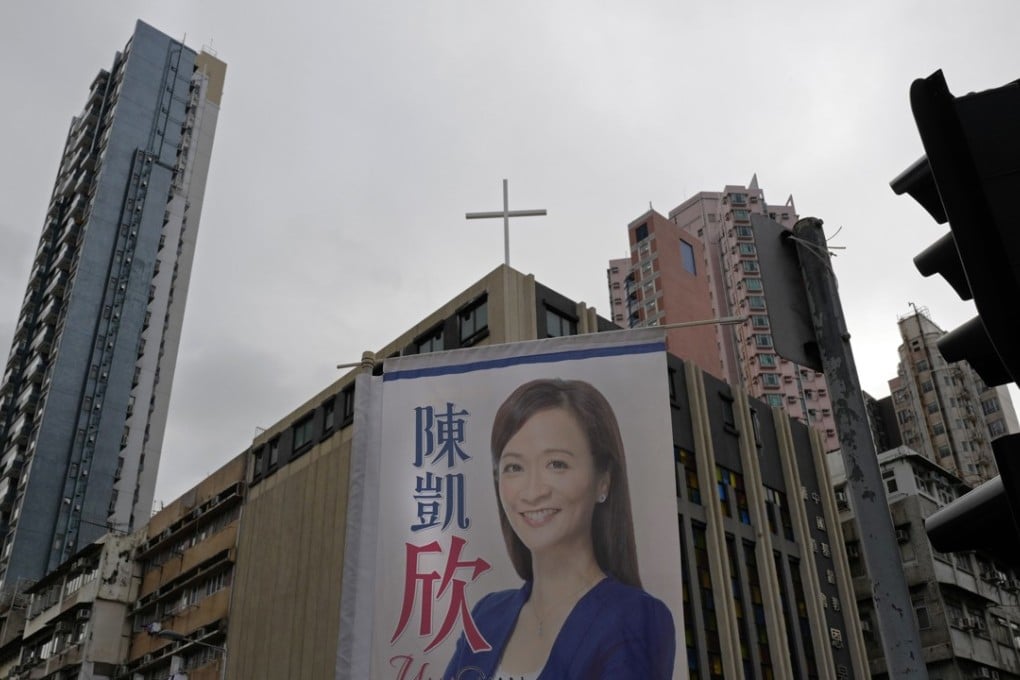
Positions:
{"x": 457, "y": 609}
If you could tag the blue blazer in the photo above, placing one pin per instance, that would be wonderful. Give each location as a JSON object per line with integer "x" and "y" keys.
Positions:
{"x": 614, "y": 632}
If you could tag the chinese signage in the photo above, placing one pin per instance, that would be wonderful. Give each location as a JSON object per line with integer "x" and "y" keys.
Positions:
{"x": 500, "y": 471}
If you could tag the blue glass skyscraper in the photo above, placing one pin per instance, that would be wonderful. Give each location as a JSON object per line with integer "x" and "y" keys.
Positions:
{"x": 83, "y": 399}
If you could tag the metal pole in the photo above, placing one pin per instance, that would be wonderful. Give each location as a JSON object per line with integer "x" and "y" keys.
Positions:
{"x": 506, "y": 225}
{"x": 893, "y": 609}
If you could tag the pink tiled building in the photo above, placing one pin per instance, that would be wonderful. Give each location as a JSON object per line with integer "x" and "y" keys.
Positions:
{"x": 701, "y": 263}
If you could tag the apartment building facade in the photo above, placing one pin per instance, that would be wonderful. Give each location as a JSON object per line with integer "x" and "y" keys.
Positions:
{"x": 84, "y": 396}
{"x": 964, "y": 604}
{"x": 702, "y": 263}
{"x": 943, "y": 410}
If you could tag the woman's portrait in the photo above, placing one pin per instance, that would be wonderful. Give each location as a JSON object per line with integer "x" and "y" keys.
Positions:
{"x": 560, "y": 479}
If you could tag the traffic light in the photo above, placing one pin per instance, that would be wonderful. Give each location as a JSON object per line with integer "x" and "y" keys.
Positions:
{"x": 970, "y": 177}
{"x": 986, "y": 518}
{"x": 793, "y": 332}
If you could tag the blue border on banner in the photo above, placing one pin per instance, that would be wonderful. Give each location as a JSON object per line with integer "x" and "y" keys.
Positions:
{"x": 547, "y": 358}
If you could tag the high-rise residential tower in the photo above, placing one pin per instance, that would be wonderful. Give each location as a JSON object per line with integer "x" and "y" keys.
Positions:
{"x": 944, "y": 411}
{"x": 702, "y": 263}
{"x": 83, "y": 400}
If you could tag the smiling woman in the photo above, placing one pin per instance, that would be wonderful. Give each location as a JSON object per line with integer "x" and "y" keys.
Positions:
{"x": 564, "y": 508}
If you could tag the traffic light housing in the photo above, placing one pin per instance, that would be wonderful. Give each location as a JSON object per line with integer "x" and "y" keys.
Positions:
{"x": 793, "y": 332}
{"x": 970, "y": 177}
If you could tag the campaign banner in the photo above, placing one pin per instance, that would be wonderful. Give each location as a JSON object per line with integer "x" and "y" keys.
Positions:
{"x": 516, "y": 516}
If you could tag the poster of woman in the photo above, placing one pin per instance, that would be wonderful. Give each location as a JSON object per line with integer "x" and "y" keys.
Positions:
{"x": 526, "y": 515}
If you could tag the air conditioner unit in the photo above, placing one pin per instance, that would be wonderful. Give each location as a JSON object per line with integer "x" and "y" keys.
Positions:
{"x": 866, "y": 626}
{"x": 903, "y": 536}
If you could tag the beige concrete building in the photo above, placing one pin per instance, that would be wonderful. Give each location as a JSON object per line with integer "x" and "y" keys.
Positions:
{"x": 76, "y": 625}
{"x": 291, "y": 545}
{"x": 963, "y": 603}
{"x": 767, "y": 589}
{"x": 186, "y": 559}
{"x": 944, "y": 411}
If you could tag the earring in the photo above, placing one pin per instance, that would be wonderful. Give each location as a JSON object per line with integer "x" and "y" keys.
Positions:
{"x": 602, "y": 498}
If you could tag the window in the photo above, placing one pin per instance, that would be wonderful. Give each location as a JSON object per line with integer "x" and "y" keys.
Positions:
{"x": 256, "y": 466}
{"x": 687, "y": 256}
{"x": 347, "y": 402}
{"x": 732, "y": 497}
{"x": 756, "y": 302}
{"x": 759, "y": 321}
{"x": 274, "y": 452}
{"x": 767, "y": 360}
{"x": 329, "y": 415}
{"x": 774, "y": 400}
{"x": 747, "y": 249}
{"x": 431, "y": 341}
{"x": 558, "y": 325}
{"x": 687, "y": 474}
{"x": 641, "y": 233}
{"x": 996, "y": 428}
{"x": 741, "y": 215}
{"x": 762, "y": 340}
{"x": 303, "y": 432}
{"x": 474, "y": 321}
{"x": 990, "y": 406}
{"x": 744, "y": 232}
{"x": 753, "y": 284}
{"x": 749, "y": 266}
{"x": 729, "y": 419}
{"x": 770, "y": 379}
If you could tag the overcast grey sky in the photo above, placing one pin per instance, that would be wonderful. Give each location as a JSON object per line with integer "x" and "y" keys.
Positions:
{"x": 353, "y": 137}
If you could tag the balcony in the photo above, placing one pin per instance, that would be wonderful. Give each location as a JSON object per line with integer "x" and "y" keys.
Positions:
{"x": 21, "y": 429}
{"x": 11, "y": 462}
{"x": 48, "y": 314}
{"x": 82, "y": 181}
{"x": 43, "y": 341}
{"x": 19, "y": 350}
{"x": 55, "y": 288}
{"x": 64, "y": 257}
{"x": 223, "y": 540}
{"x": 42, "y": 253}
{"x": 69, "y": 232}
{"x": 36, "y": 368}
{"x": 28, "y": 400}
{"x": 77, "y": 207}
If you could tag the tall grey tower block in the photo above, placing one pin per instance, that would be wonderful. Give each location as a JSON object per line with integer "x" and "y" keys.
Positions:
{"x": 83, "y": 399}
